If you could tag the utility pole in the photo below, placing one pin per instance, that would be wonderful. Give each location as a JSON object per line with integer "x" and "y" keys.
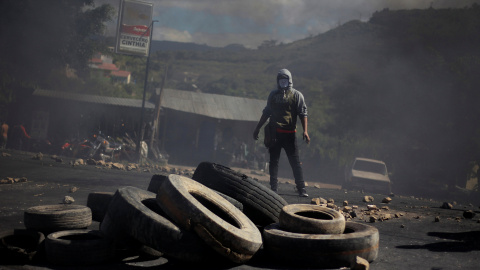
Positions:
{"x": 141, "y": 126}
{"x": 158, "y": 104}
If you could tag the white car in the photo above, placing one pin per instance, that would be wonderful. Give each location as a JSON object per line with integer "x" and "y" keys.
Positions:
{"x": 367, "y": 175}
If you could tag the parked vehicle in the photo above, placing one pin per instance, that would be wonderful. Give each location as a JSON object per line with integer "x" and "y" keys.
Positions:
{"x": 104, "y": 147}
{"x": 367, "y": 175}
{"x": 76, "y": 148}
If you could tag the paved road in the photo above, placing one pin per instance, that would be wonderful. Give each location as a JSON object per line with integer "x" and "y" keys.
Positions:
{"x": 412, "y": 241}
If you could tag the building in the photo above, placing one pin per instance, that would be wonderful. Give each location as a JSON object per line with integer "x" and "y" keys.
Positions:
{"x": 193, "y": 127}
{"x": 104, "y": 65}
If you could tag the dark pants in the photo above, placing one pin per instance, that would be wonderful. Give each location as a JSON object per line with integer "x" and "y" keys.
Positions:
{"x": 287, "y": 141}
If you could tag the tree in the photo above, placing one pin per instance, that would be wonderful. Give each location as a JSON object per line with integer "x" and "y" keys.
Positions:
{"x": 39, "y": 36}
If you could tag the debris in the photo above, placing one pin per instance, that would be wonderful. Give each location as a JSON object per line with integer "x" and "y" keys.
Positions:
{"x": 7, "y": 180}
{"x": 386, "y": 200}
{"x": 368, "y": 199}
{"x": 6, "y": 154}
{"x": 345, "y": 203}
{"x": 373, "y": 219}
{"x": 469, "y": 214}
{"x": 446, "y": 205}
{"x": 330, "y": 200}
{"x": 385, "y": 208}
{"x": 437, "y": 219}
{"x": 91, "y": 161}
{"x": 38, "y": 156}
{"x": 402, "y": 226}
{"x": 316, "y": 186}
{"x": 332, "y": 206}
{"x": 315, "y": 201}
{"x": 73, "y": 189}
{"x": 385, "y": 217}
{"x": 56, "y": 158}
{"x": 372, "y": 207}
{"x": 360, "y": 264}
{"x": 78, "y": 162}
{"x": 68, "y": 200}
{"x": 118, "y": 166}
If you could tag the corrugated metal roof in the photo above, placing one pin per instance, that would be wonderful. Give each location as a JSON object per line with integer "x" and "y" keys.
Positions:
{"x": 116, "y": 101}
{"x": 212, "y": 105}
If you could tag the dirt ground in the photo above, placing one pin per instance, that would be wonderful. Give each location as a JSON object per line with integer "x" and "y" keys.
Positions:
{"x": 409, "y": 239}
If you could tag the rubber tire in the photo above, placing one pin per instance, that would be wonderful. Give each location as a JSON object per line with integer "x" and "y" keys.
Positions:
{"x": 86, "y": 247}
{"x": 98, "y": 202}
{"x": 313, "y": 219}
{"x": 134, "y": 219}
{"x": 322, "y": 250}
{"x": 157, "y": 180}
{"x": 196, "y": 207}
{"x": 260, "y": 204}
{"x": 20, "y": 246}
{"x": 53, "y": 218}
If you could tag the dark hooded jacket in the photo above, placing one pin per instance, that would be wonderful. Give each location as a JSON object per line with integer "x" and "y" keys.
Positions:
{"x": 284, "y": 105}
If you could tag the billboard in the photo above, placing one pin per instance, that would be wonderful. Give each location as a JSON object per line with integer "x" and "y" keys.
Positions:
{"x": 134, "y": 27}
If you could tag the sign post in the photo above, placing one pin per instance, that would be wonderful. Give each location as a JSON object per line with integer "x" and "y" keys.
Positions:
{"x": 134, "y": 37}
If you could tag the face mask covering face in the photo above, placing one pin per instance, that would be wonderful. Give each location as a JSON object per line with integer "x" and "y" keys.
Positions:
{"x": 283, "y": 83}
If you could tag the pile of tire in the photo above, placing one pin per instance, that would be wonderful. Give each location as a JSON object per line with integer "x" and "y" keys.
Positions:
{"x": 68, "y": 240}
{"x": 214, "y": 218}
{"x": 319, "y": 237}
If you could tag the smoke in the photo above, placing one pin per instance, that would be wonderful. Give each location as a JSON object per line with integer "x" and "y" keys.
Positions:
{"x": 250, "y": 22}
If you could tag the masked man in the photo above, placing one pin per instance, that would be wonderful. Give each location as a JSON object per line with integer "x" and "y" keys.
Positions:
{"x": 284, "y": 105}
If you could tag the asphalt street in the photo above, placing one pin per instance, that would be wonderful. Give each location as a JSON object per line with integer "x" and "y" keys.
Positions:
{"x": 410, "y": 238}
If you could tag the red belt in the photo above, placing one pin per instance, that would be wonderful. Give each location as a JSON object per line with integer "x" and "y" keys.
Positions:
{"x": 279, "y": 130}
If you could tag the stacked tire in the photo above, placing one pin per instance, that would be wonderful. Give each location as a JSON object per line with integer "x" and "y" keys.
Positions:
{"x": 183, "y": 219}
{"x": 316, "y": 236}
{"x": 68, "y": 242}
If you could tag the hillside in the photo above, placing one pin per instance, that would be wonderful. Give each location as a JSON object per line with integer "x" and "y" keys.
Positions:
{"x": 402, "y": 87}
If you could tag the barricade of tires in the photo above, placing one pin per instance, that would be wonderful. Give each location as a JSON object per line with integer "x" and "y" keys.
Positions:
{"x": 178, "y": 218}
{"x": 316, "y": 236}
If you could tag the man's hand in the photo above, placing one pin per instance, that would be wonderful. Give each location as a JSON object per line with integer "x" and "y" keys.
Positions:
{"x": 255, "y": 134}
{"x": 306, "y": 137}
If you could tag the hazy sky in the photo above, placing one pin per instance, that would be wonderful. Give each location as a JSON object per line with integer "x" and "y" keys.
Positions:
{"x": 250, "y": 22}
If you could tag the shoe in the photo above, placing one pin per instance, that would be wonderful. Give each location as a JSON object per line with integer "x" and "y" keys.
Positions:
{"x": 302, "y": 193}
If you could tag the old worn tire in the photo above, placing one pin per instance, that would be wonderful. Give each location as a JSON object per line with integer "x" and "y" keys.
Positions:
{"x": 197, "y": 208}
{"x": 20, "y": 246}
{"x": 157, "y": 180}
{"x": 260, "y": 204}
{"x": 98, "y": 202}
{"x": 135, "y": 219}
{"x": 322, "y": 250}
{"x": 309, "y": 218}
{"x": 52, "y": 218}
{"x": 78, "y": 247}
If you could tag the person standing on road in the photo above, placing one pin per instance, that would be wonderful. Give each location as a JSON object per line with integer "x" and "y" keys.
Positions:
{"x": 283, "y": 106}
{"x": 4, "y": 137}
{"x": 20, "y": 137}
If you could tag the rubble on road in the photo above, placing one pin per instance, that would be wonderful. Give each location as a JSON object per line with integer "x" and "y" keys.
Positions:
{"x": 319, "y": 201}
{"x": 68, "y": 200}
{"x": 57, "y": 159}
{"x": 446, "y": 205}
{"x": 368, "y": 199}
{"x": 386, "y": 200}
{"x": 360, "y": 264}
{"x": 12, "y": 180}
{"x": 38, "y": 156}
